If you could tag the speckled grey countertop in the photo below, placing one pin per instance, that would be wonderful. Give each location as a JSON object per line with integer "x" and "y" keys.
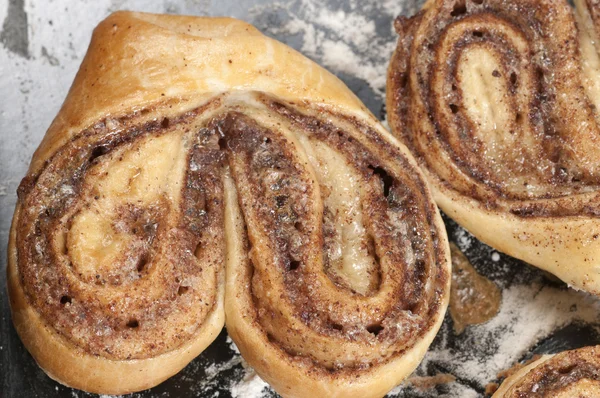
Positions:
{"x": 42, "y": 44}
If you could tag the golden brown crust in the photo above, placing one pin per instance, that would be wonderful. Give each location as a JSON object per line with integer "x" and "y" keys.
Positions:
{"x": 70, "y": 366}
{"x": 568, "y": 374}
{"x": 114, "y": 326}
{"x": 492, "y": 98}
{"x": 189, "y": 55}
{"x": 191, "y": 151}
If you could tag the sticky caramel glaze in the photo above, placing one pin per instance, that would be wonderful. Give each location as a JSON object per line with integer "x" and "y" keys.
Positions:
{"x": 474, "y": 299}
{"x": 154, "y": 297}
{"x": 568, "y": 374}
{"x": 489, "y": 95}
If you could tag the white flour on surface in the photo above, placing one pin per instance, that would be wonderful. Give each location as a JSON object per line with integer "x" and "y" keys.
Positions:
{"x": 464, "y": 240}
{"x": 250, "y": 386}
{"x": 232, "y": 345}
{"x": 351, "y": 38}
{"x": 527, "y": 314}
{"x": 455, "y": 390}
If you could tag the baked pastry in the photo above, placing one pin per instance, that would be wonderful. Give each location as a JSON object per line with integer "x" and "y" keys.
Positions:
{"x": 201, "y": 173}
{"x": 498, "y": 101}
{"x": 568, "y": 374}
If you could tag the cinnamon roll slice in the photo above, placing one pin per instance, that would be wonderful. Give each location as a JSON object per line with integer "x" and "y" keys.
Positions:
{"x": 498, "y": 101}
{"x": 200, "y": 173}
{"x": 573, "y": 373}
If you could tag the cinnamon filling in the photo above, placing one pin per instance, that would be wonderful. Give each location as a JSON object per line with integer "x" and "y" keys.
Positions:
{"x": 124, "y": 243}
{"x": 566, "y": 374}
{"x": 498, "y": 99}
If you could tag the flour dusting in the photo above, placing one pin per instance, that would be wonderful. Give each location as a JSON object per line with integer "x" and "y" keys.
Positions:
{"x": 353, "y": 38}
{"x": 527, "y": 315}
{"x": 250, "y": 386}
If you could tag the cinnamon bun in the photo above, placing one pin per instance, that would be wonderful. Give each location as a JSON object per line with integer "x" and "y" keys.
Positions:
{"x": 568, "y": 374}
{"x": 200, "y": 173}
{"x": 498, "y": 101}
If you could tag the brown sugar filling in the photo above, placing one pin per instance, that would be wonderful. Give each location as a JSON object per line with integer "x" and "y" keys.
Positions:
{"x": 474, "y": 299}
{"x": 124, "y": 243}
{"x": 492, "y": 97}
{"x": 560, "y": 375}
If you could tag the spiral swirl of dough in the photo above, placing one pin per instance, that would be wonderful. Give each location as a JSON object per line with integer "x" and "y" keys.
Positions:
{"x": 567, "y": 374}
{"x": 499, "y": 101}
{"x": 301, "y": 221}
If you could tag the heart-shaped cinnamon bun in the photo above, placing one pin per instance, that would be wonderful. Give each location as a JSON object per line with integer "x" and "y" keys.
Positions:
{"x": 200, "y": 173}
